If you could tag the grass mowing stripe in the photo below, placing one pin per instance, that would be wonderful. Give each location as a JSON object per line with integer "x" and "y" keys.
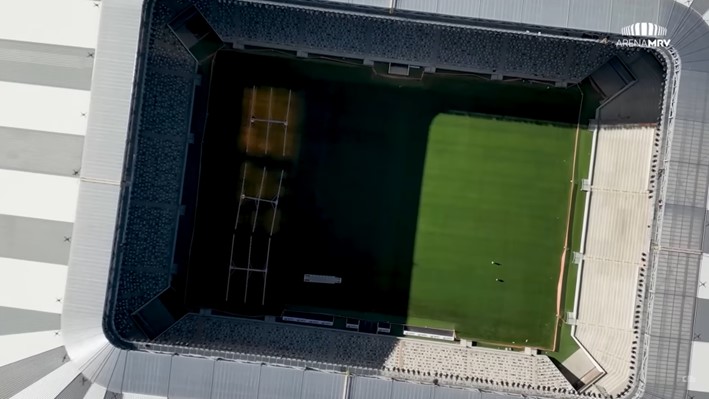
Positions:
{"x": 492, "y": 190}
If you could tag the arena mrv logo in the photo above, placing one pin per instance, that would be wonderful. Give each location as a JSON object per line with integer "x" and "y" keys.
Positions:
{"x": 650, "y": 35}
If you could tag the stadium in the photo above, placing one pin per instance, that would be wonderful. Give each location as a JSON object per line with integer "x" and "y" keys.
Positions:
{"x": 370, "y": 199}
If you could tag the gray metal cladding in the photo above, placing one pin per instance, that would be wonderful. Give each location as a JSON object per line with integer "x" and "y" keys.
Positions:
{"x": 76, "y": 389}
{"x": 147, "y": 373}
{"x": 371, "y": 3}
{"x": 108, "y": 362}
{"x": 547, "y": 12}
{"x": 116, "y": 372}
{"x": 679, "y": 277}
{"x": 46, "y": 64}
{"x": 191, "y": 377}
{"x": 419, "y": 5}
{"x": 698, "y": 395}
{"x": 628, "y": 12}
{"x": 40, "y": 152}
{"x": 450, "y": 393}
{"x": 691, "y": 144}
{"x": 36, "y": 240}
{"x": 469, "y": 9}
{"x": 682, "y": 227}
{"x": 672, "y": 316}
{"x": 408, "y": 390}
{"x": 693, "y": 102}
{"x": 366, "y": 388}
{"x": 700, "y": 6}
{"x": 319, "y": 385}
{"x": 24, "y": 321}
{"x": 280, "y": 383}
{"x": 592, "y": 15}
{"x": 245, "y": 386}
{"x": 502, "y": 10}
{"x": 15, "y": 377}
{"x": 667, "y": 368}
{"x": 701, "y": 321}
{"x": 687, "y": 183}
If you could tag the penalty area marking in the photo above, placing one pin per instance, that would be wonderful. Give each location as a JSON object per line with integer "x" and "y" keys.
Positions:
{"x": 259, "y": 198}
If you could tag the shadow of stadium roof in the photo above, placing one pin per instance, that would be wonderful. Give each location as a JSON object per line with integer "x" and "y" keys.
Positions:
{"x": 94, "y": 359}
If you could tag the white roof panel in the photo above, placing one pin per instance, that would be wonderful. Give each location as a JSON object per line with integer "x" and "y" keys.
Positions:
{"x": 21, "y": 346}
{"x": 698, "y": 366}
{"x": 91, "y": 248}
{"x": 32, "y": 285}
{"x": 50, "y": 109}
{"x": 38, "y": 196}
{"x": 66, "y": 22}
{"x": 93, "y": 233}
{"x": 112, "y": 91}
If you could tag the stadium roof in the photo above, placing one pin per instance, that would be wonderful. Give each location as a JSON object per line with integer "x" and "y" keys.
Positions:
{"x": 61, "y": 178}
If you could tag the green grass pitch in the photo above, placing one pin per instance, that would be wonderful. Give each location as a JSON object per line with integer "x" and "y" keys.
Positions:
{"x": 493, "y": 190}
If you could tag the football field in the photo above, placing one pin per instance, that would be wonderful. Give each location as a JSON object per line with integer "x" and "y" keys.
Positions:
{"x": 407, "y": 206}
{"x": 493, "y": 191}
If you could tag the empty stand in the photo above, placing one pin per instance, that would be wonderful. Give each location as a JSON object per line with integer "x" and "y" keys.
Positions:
{"x": 156, "y": 174}
{"x": 400, "y": 358}
{"x": 520, "y": 54}
{"x": 617, "y": 237}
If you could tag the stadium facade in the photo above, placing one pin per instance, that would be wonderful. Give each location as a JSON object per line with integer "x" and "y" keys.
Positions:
{"x": 81, "y": 358}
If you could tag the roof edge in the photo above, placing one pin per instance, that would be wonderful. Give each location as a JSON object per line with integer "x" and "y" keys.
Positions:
{"x": 83, "y": 325}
